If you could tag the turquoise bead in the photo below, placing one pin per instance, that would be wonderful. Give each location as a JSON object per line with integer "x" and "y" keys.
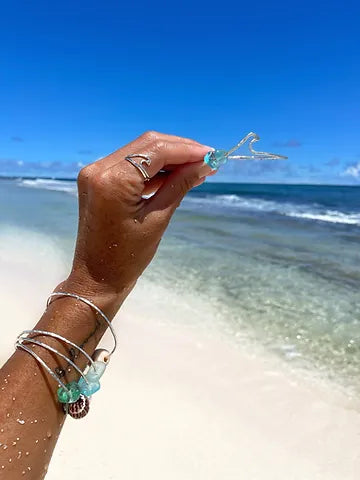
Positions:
{"x": 96, "y": 371}
{"x": 70, "y": 396}
{"x": 88, "y": 389}
{"x": 215, "y": 158}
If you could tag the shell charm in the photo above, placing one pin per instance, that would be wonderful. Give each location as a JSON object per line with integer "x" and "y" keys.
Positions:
{"x": 80, "y": 408}
{"x": 86, "y": 386}
{"x": 101, "y": 355}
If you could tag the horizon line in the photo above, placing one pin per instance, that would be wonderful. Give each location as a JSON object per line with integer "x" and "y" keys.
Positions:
{"x": 73, "y": 179}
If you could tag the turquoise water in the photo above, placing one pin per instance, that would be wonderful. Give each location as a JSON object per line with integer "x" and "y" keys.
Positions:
{"x": 280, "y": 265}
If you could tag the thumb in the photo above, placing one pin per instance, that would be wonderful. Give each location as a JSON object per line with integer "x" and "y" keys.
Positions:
{"x": 174, "y": 189}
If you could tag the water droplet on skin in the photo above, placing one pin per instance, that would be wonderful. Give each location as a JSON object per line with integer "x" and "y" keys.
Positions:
{"x": 2, "y": 388}
{"x": 35, "y": 374}
{"x": 45, "y": 450}
{"x": 48, "y": 434}
{"x": 3, "y": 466}
{"x": 27, "y": 454}
{"x": 14, "y": 399}
{"x": 5, "y": 447}
{"x": 29, "y": 468}
{"x": 19, "y": 455}
{"x": 35, "y": 421}
{"x": 2, "y": 430}
{"x": 8, "y": 415}
{"x": 20, "y": 421}
{"x": 18, "y": 439}
{"x": 14, "y": 443}
{"x": 10, "y": 460}
{"x": 36, "y": 441}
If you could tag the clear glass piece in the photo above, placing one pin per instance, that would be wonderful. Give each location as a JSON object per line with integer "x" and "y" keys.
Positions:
{"x": 216, "y": 158}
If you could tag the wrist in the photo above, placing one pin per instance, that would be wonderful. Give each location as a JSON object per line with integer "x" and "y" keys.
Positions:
{"x": 108, "y": 300}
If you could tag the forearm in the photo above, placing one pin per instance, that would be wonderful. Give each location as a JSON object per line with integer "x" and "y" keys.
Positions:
{"x": 31, "y": 417}
{"x": 119, "y": 232}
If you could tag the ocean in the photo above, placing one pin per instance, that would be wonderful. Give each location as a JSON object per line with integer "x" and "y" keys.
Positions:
{"x": 279, "y": 265}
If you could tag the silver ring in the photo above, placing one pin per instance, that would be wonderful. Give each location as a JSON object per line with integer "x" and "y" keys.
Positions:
{"x": 144, "y": 159}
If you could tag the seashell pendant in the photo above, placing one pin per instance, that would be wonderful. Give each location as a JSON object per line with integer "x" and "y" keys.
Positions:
{"x": 80, "y": 408}
{"x": 101, "y": 355}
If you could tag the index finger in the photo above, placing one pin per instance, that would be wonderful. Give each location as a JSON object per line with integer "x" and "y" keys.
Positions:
{"x": 163, "y": 153}
{"x": 140, "y": 144}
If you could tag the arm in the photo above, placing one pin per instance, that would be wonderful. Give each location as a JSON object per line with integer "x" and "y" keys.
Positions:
{"x": 118, "y": 235}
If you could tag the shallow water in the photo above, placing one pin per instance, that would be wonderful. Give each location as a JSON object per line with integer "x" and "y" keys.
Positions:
{"x": 278, "y": 264}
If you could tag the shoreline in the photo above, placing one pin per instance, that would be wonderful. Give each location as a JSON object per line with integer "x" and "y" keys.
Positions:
{"x": 180, "y": 403}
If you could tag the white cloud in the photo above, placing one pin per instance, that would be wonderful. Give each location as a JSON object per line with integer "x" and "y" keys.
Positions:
{"x": 353, "y": 171}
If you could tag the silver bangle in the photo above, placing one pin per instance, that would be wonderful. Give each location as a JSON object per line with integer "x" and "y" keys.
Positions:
{"x": 63, "y": 339}
{"x": 41, "y": 361}
{"x": 76, "y": 403}
{"x": 52, "y": 349}
{"x": 90, "y": 304}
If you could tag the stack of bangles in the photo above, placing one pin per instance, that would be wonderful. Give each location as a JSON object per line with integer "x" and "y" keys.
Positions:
{"x": 74, "y": 396}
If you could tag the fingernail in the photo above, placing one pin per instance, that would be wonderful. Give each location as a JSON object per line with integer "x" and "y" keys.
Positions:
{"x": 203, "y": 148}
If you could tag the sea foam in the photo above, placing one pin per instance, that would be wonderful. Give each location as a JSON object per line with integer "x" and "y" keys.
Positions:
{"x": 68, "y": 186}
{"x": 314, "y": 212}
{"x": 307, "y": 212}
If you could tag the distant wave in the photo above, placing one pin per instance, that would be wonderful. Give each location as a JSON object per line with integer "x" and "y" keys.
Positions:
{"x": 307, "y": 212}
{"x": 67, "y": 186}
{"x": 313, "y": 212}
{"x": 332, "y": 216}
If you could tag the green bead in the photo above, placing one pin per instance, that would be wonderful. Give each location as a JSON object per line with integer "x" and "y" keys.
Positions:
{"x": 70, "y": 396}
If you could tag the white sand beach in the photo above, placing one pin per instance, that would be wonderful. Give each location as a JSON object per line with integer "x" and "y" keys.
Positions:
{"x": 180, "y": 403}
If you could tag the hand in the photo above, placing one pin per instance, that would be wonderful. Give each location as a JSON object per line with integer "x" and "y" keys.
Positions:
{"x": 119, "y": 231}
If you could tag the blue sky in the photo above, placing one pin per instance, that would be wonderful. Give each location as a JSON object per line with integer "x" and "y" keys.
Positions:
{"x": 79, "y": 79}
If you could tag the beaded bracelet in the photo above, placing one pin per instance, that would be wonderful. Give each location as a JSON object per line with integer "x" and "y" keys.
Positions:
{"x": 74, "y": 396}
